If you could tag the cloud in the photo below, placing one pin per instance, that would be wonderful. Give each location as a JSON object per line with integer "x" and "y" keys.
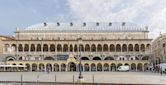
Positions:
{"x": 108, "y": 10}
{"x": 144, "y": 12}
{"x": 158, "y": 21}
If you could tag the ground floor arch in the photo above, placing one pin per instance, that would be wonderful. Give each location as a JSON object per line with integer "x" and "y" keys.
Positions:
{"x": 72, "y": 66}
{"x": 133, "y": 67}
{"x": 113, "y": 67}
{"x": 87, "y": 66}
{"x": 139, "y": 67}
{"x": 99, "y": 67}
{"x": 106, "y": 67}
{"x": 63, "y": 67}
{"x": 146, "y": 67}
{"x": 48, "y": 67}
{"x": 41, "y": 67}
{"x": 56, "y": 67}
{"x": 34, "y": 67}
{"x": 93, "y": 67}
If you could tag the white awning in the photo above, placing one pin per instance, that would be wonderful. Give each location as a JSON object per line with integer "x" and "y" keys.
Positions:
{"x": 12, "y": 66}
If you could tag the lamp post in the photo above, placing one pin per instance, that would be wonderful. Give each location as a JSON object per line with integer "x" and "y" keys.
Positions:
{"x": 80, "y": 77}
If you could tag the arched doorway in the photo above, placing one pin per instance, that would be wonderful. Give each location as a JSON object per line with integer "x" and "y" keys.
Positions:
{"x": 34, "y": 67}
{"x": 139, "y": 67}
{"x": 146, "y": 67}
{"x": 86, "y": 67}
{"x": 113, "y": 67}
{"x": 28, "y": 67}
{"x": 133, "y": 67}
{"x": 41, "y": 67}
{"x": 71, "y": 66}
{"x": 93, "y": 67}
{"x": 56, "y": 67}
{"x": 99, "y": 67}
{"x": 106, "y": 67}
{"x": 48, "y": 67}
{"x": 63, "y": 67}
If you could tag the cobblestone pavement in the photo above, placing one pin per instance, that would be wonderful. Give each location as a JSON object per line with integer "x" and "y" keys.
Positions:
{"x": 99, "y": 77}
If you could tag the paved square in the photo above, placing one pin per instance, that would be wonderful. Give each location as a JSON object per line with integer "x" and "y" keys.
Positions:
{"x": 99, "y": 77}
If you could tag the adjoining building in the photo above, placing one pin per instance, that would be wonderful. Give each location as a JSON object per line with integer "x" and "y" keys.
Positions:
{"x": 59, "y": 46}
{"x": 159, "y": 49}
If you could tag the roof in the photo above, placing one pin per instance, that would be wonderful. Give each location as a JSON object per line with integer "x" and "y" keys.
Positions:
{"x": 7, "y": 37}
{"x": 87, "y": 27}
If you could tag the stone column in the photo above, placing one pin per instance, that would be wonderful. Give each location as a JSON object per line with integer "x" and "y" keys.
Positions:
{"x": 60, "y": 68}
{"x": 49, "y": 48}
{"x": 23, "y": 45}
{"x": 89, "y": 68}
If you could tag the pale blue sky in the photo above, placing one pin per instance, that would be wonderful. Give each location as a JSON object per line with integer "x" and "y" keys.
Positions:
{"x": 23, "y": 13}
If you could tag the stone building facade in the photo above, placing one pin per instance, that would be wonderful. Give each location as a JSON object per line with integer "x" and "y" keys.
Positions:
{"x": 60, "y": 46}
{"x": 159, "y": 49}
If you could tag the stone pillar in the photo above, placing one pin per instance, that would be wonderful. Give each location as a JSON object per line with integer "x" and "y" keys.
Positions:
{"x": 66, "y": 68}
{"x": 96, "y": 68}
{"x": 89, "y": 68}
{"x": 35, "y": 48}
{"x": 62, "y": 49}
{"x": 48, "y": 48}
{"x": 37, "y": 66}
{"x": 68, "y": 47}
{"x": 52, "y": 67}
{"x": 102, "y": 68}
{"x": 42, "y": 48}
{"x": 115, "y": 48}
{"x": 60, "y": 68}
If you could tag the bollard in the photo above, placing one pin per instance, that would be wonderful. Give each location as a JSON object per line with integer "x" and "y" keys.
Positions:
{"x": 55, "y": 79}
{"x": 21, "y": 79}
{"x": 37, "y": 79}
{"x": 93, "y": 79}
{"x": 73, "y": 79}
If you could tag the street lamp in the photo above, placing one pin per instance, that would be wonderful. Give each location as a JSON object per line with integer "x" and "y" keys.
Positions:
{"x": 80, "y": 77}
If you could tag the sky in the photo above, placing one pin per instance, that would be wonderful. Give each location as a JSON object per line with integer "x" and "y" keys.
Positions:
{"x": 23, "y": 13}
